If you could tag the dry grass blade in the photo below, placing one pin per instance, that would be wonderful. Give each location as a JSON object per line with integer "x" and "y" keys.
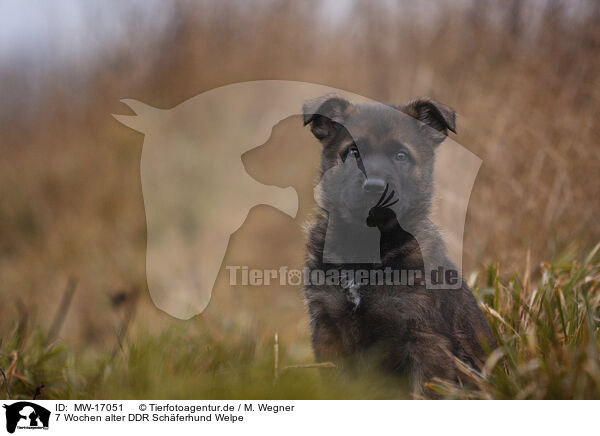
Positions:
{"x": 276, "y": 358}
{"x": 5, "y": 383}
{"x": 311, "y": 365}
{"x": 63, "y": 308}
{"x": 499, "y": 317}
{"x": 491, "y": 362}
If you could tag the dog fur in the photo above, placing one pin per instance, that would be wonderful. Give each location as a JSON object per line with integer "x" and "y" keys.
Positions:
{"x": 409, "y": 330}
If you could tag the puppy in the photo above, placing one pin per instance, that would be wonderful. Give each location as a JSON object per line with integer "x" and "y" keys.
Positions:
{"x": 377, "y": 176}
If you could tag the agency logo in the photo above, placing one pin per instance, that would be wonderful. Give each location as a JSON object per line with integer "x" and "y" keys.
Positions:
{"x": 26, "y": 415}
{"x": 198, "y": 190}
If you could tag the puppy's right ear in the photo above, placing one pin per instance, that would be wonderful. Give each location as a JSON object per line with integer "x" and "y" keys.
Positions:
{"x": 325, "y": 116}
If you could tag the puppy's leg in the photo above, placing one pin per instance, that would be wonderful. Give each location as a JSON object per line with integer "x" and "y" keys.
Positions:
{"x": 326, "y": 336}
{"x": 334, "y": 332}
{"x": 413, "y": 347}
{"x": 426, "y": 356}
{"x": 326, "y": 340}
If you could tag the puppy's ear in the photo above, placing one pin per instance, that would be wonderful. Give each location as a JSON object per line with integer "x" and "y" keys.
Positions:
{"x": 325, "y": 116}
{"x": 433, "y": 113}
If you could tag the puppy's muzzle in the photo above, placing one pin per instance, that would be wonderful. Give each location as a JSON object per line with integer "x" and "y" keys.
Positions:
{"x": 374, "y": 186}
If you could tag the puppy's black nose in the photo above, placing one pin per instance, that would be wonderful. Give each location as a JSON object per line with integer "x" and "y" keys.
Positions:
{"x": 375, "y": 186}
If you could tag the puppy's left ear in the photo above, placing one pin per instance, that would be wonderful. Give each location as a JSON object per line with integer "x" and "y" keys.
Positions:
{"x": 325, "y": 116}
{"x": 433, "y": 113}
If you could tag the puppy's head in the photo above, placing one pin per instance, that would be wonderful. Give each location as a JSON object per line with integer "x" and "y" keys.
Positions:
{"x": 367, "y": 147}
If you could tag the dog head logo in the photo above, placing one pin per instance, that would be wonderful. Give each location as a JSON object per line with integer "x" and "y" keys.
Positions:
{"x": 197, "y": 192}
{"x": 26, "y": 415}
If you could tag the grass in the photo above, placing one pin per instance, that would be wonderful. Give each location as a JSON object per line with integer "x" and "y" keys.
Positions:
{"x": 547, "y": 333}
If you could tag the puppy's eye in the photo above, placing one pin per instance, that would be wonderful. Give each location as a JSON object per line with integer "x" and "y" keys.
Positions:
{"x": 401, "y": 156}
{"x": 353, "y": 151}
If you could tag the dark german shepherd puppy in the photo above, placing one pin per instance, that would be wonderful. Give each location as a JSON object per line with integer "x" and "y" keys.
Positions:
{"x": 377, "y": 175}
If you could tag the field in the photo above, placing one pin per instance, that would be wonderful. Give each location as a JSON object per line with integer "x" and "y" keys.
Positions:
{"x": 76, "y": 318}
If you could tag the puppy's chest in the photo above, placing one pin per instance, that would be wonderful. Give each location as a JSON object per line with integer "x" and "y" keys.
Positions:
{"x": 352, "y": 300}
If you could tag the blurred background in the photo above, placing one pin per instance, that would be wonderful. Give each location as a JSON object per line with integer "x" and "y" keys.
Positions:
{"x": 523, "y": 77}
